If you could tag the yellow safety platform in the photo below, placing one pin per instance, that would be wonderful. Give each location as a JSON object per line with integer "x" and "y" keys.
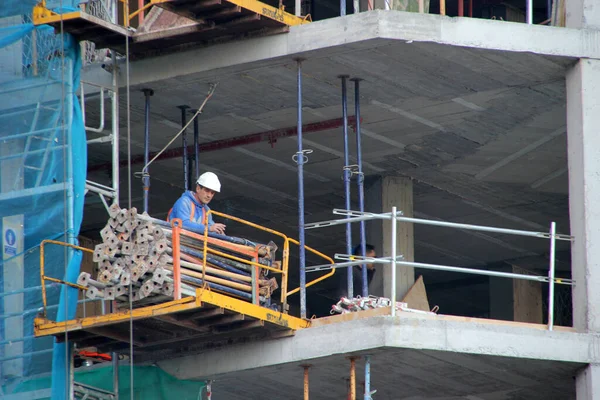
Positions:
{"x": 215, "y": 12}
{"x": 215, "y": 20}
{"x": 82, "y": 26}
{"x": 205, "y": 320}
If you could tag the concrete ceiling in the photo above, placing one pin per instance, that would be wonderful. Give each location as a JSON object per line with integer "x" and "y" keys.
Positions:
{"x": 481, "y": 133}
{"x": 409, "y": 374}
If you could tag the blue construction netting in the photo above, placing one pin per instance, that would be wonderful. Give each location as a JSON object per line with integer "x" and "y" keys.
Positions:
{"x": 42, "y": 180}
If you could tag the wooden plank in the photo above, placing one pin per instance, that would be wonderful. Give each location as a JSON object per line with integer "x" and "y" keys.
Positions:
{"x": 416, "y": 297}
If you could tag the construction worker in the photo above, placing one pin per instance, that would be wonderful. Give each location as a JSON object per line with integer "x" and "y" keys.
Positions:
{"x": 357, "y": 272}
{"x": 192, "y": 207}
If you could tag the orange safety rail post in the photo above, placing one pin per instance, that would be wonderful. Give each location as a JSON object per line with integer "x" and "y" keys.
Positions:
{"x": 176, "y": 225}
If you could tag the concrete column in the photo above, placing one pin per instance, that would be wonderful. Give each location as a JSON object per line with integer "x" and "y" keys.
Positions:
{"x": 583, "y": 142}
{"x": 516, "y": 299}
{"x": 381, "y": 196}
{"x": 587, "y": 383}
{"x": 582, "y": 14}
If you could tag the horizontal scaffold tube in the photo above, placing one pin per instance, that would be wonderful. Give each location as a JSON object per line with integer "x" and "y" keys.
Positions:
{"x": 217, "y": 287}
{"x": 209, "y": 278}
{"x": 231, "y": 239}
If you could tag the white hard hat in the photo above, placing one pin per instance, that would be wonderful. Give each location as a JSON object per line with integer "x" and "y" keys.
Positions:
{"x": 210, "y": 181}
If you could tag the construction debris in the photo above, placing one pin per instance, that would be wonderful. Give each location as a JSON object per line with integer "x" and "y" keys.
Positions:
{"x": 136, "y": 252}
{"x": 346, "y": 305}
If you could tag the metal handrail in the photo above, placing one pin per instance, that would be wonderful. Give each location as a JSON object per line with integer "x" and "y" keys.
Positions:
{"x": 44, "y": 278}
{"x": 397, "y": 216}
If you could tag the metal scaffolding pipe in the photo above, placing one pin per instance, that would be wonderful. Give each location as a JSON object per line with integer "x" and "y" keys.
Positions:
{"x": 353, "y": 378}
{"x": 350, "y": 277}
{"x": 115, "y": 366}
{"x": 114, "y": 165}
{"x": 529, "y": 12}
{"x": 300, "y": 161}
{"x": 367, "y": 378}
{"x": 551, "y": 276}
{"x": 184, "y": 155}
{"x": 268, "y": 136}
{"x": 361, "y": 186}
{"x": 393, "y": 291}
{"x": 146, "y": 175}
{"x": 306, "y": 389}
{"x": 196, "y": 149}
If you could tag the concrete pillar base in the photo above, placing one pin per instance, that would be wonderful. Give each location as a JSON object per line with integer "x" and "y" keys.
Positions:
{"x": 381, "y": 196}
{"x": 588, "y": 383}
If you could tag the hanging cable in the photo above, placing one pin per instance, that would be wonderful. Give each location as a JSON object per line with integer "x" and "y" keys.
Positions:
{"x": 211, "y": 91}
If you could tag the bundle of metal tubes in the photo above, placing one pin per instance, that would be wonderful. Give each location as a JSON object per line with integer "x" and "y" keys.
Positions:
{"x": 136, "y": 252}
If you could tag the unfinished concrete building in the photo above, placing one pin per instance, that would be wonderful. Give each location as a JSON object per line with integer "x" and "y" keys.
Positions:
{"x": 457, "y": 138}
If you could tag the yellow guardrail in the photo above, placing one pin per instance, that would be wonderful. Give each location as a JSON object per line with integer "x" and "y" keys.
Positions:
{"x": 285, "y": 260}
{"x": 44, "y": 278}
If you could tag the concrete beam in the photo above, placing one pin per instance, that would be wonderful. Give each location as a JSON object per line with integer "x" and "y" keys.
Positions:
{"x": 363, "y": 31}
{"x": 444, "y": 333}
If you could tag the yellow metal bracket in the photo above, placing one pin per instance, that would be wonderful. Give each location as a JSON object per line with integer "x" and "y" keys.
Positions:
{"x": 43, "y": 16}
{"x": 277, "y": 14}
{"x": 251, "y": 310}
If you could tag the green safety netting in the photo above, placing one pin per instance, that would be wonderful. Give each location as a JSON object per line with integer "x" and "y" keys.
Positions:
{"x": 149, "y": 383}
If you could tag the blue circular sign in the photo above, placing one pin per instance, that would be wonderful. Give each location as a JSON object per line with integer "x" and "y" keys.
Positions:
{"x": 11, "y": 237}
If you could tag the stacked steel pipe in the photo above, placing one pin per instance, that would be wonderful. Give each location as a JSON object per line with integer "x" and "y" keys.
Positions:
{"x": 136, "y": 252}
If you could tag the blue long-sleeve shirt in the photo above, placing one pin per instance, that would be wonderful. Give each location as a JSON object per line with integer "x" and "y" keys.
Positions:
{"x": 182, "y": 209}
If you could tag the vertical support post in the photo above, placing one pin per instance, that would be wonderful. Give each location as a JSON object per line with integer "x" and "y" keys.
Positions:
{"x": 551, "y": 275}
{"x": 196, "y": 148}
{"x": 367, "y": 378}
{"x": 342, "y": 7}
{"x": 115, "y": 366}
{"x": 350, "y": 278}
{"x": 183, "y": 109}
{"x": 529, "y": 11}
{"x": 461, "y": 8}
{"x": 208, "y": 390}
{"x": 356, "y": 6}
{"x": 176, "y": 225}
{"x": 298, "y": 8}
{"x": 255, "y": 274}
{"x": 352, "y": 378}
{"x": 146, "y": 175}
{"x": 115, "y": 123}
{"x": 300, "y": 161}
{"x": 442, "y": 7}
{"x": 306, "y": 390}
{"x": 141, "y": 14}
{"x": 361, "y": 185}
{"x": 393, "y": 265}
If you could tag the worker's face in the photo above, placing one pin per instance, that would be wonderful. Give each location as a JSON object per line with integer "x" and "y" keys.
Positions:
{"x": 204, "y": 195}
{"x": 371, "y": 253}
